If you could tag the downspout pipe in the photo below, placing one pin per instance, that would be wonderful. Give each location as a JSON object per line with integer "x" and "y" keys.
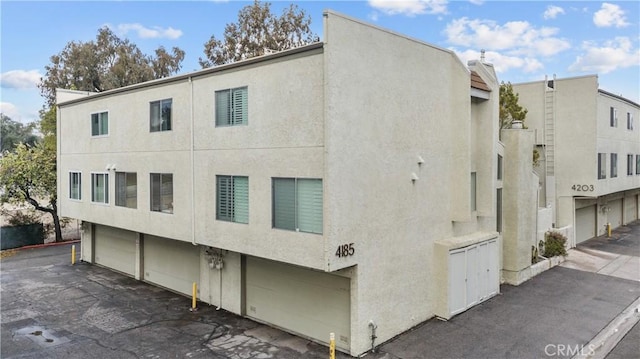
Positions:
{"x": 193, "y": 169}
{"x": 373, "y": 326}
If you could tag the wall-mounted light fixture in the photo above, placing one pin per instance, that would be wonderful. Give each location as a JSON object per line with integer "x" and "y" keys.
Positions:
{"x": 414, "y": 177}
{"x": 605, "y": 209}
{"x": 420, "y": 160}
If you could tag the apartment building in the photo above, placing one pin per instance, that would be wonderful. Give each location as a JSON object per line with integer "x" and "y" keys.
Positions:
{"x": 589, "y": 139}
{"x": 345, "y": 187}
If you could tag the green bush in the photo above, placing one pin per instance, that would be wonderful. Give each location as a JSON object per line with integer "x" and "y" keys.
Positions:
{"x": 21, "y": 217}
{"x": 554, "y": 244}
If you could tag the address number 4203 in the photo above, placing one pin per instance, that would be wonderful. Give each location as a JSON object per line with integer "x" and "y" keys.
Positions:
{"x": 582, "y": 187}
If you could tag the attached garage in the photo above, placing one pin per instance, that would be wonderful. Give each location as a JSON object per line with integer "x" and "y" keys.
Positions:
{"x": 615, "y": 213}
{"x": 303, "y": 301}
{"x": 170, "y": 263}
{"x": 473, "y": 275}
{"x": 585, "y": 223}
{"x": 115, "y": 248}
{"x": 630, "y": 209}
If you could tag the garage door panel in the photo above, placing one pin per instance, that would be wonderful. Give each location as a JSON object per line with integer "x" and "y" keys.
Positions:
{"x": 303, "y": 301}
{"x": 585, "y": 223}
{"x": 615, "y": 213}
{"x": 630, "y": 209}
{"x": 115, "y": 248}
{"x": 171, "y": 264}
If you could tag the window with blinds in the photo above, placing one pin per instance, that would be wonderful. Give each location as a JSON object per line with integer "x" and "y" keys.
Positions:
{"x": 232, "y": 107}
{"x": 232, "y": 198}
{"x": 100, "y": 124}
{"x": 127, "y": 189}
{"x": 162, "y": 192}
{"x": 75, "y": 185}
{"x": 297, "y": 204}
{"x": 100, "y": 188}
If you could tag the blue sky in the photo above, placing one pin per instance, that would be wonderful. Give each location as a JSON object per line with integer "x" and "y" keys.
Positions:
{"x": 525, "y": 40}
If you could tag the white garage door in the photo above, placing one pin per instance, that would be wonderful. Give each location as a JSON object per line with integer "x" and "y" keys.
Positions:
{"x": 171, "y": 264}
{"x": 585, "y": 223}
{"x": 615, "y": 213}
{"x": 302, "y": 301}
{"x": 115, "y": 248}
{"x": 630, "y": 209}
{"x": 473, "y": 275}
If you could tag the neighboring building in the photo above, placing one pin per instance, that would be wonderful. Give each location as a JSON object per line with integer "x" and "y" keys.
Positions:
{"x": 590, "y": 145}
{"x": 348, "y": 186}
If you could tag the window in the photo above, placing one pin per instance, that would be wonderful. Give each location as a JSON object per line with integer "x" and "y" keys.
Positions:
{"x": 162, "y": 192}
{"x": 232, "y": 107}
{"x": 499, "y": 210}
{"x": 127, "y": 189}
{"x": 100, "y": 124}
{"x": 75, "y": 185}
{"x": 613, "y": 117}
{"x": 614, "y": 165}
{"x": 629, "y": 121}
{"x": 160, "y": 115}
{"x": 630, "y": 165}
{"x": 232, "y": 199}
{"x": 297, "y": 204}
{"x": 100, "y": 187}
{"x": 602, "y": 165}
{"x": 499, "y": 167}
{"x": 474, "y": 204}
{"x": 638, "y": 164}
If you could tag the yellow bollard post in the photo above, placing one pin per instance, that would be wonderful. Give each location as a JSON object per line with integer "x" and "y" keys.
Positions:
{"x": 193, "y": 299}
{"x": 332, "y": 346}
{"x": 73, "y": 254}
{"x": 608, "y": 229}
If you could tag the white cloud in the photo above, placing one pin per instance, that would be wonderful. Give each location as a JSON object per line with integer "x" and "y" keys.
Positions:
{"x": 373, "y": 16}
{"x": 477, "y": 2}
{"x": 553, "y": 11}
{"x": 10, "y": 110}
{"x": 20, "y": 79}
{"x": 516, "y": 37}
{"x": 610, "y": 15}
{"x": 410, "y": 7}
{"x": 612, "y": 55}
{"x": 503, "y": 63}
{"x": 143, "y": 32}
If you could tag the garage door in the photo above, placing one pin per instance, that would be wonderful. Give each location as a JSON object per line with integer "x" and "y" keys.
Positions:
{"x": 630, "y": 209}
{"x": 115, "y": 248}
{"x": 585, "y": 223}
{"x": 305, "y": 302}
{"x": 473, "y": 275}
{"x": 615, "y": 213}
{"x": 171, "y": 264}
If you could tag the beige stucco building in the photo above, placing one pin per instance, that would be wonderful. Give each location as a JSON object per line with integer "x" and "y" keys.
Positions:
{"x": 589, "y": 140}
{"x": 346, "y": 187}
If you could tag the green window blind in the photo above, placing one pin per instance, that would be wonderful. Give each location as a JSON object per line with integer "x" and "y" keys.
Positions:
{"x": 232, "y": 107}
{"x": 284, "y": 203}
{"x": 309, "y": 205}
{"x": 232, "y": 202}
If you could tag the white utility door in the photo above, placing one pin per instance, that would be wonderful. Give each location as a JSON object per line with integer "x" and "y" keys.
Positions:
{"x": 115, "y": 248}
{"x": 473, "y": 275}
{"x": 615, "y": 213}
{"x": 302, "y": 301}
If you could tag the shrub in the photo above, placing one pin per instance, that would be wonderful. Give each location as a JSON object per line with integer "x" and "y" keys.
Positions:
{"x": 554, "y": 244}
{"x": 21, "y": 218}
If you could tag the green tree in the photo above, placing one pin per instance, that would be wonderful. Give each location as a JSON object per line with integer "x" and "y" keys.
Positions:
{"x": 257, "y": 32}
{"x": 108, "y": 62}
{"x": 13, "y": 133}
{"x": 510, "y": 110}
{"x": 28, "y": 174}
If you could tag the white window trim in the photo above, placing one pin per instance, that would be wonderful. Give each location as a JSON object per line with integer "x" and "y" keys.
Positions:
{"x": 79, "y": 189}
{"x": 108, "y": 124}
{"x": 160, "y": 101}
{"x": 91, "y": 192}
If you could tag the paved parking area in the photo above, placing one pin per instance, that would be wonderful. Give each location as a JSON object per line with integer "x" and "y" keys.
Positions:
{"x": 51, "y": 309}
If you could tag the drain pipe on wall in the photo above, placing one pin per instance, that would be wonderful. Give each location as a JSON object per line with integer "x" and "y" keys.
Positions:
{"x": 373, "y": 326}
{"x": 193, "y": 169}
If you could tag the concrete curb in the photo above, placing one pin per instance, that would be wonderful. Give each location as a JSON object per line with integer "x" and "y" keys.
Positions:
{"x": 34, "y": 246}
{"x": 604, "y": 342}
